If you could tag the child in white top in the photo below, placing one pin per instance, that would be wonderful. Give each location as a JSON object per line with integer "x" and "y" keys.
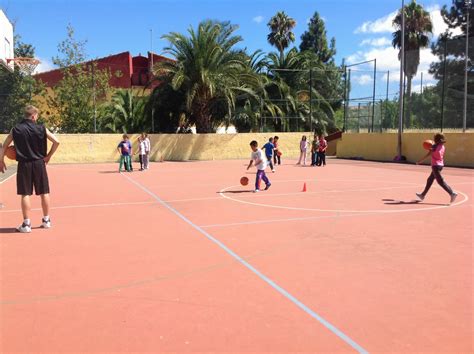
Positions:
{"x": 303, "y": 148}
{"x": 260, "y": 162}
{"x": 141, "y": 151}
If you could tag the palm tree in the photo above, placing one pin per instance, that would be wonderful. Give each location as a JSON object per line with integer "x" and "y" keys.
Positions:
{"x": 418, "y": 27}
{"x": 209, "y": 73}
{"x": 125, "y": 113}
{"x": 281, "y": 35}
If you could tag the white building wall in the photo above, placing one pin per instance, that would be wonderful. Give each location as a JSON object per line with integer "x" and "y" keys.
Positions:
{"x": 6, "y": 39}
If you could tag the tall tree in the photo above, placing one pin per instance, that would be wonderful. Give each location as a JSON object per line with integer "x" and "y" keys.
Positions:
{"x": 451, "y": 52}
{"x": 281, "y": 35}
{"x": 208, "y": 71}
{"x": 72, "y": 100}
{"x": 315, "y": 40}
{"x": 418, "y": 28}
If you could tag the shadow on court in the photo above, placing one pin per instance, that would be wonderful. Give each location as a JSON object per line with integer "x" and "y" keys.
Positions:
{"x": 399, "y": 202}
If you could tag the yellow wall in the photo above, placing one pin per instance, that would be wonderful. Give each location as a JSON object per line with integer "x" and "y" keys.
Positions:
{"x": 82, "y": 148}
{"x": 383, "y": 147}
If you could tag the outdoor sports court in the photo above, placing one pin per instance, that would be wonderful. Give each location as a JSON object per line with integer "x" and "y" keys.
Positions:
{"x": 181, "y": 258}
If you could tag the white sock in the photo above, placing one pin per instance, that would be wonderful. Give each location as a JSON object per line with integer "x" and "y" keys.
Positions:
{"x": 27, "y": 222}
{"x": 46, "y": 218}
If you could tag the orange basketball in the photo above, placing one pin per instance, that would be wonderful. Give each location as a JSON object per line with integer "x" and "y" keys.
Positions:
{"x": 279, "y": 153}
{"x": 427, "y": 144}
{"x": 10, "y": 152}
{"x": 244, "y": 181}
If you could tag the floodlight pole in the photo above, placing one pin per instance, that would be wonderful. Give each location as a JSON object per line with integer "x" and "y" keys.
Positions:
{"x": 151, "y": 71}
{"x": 468, "y": 5}
{"x": 402, "y": 67}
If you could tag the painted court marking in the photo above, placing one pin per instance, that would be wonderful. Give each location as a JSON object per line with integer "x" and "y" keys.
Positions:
{"x": 222, "y": 191}
{"x": 270, "y": 282}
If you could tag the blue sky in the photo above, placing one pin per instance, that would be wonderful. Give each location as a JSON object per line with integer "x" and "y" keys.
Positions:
{"x": 361, "y": 28}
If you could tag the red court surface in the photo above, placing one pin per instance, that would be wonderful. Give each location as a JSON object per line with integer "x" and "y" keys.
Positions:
{"x": 180, "y": 258}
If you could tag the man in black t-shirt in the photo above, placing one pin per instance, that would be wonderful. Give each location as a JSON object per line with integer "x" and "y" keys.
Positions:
{"x": 30, "y": 141}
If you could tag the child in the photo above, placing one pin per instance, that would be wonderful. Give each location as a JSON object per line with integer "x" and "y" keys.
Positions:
{"x": 125, "y": 149}
{"x": 269, "y": 147}
{"x": 303, "y": 147}
{"x": 276, "y": 155}
{"x": 437, "y": 164}
{"x": 314, "y": 150}
{"x": 260, "y": 163}
{"x": 323, "y": 145}
{"x": 141, "y": 151}
{"x": 146, "y": 157}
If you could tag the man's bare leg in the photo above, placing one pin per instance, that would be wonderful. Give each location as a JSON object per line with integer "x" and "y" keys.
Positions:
{"x": 46, "y": 223}
{"x": 25, "y": 206}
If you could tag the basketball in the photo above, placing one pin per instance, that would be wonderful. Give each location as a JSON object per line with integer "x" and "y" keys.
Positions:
{"x": 427, "y": 144}
{"x": 10, "y": 152}
{"x": 244, "y": 181}
{"x": 279, "y": 153}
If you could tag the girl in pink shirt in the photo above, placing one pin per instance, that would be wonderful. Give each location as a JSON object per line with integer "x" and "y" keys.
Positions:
{"x": 303, "y": 148}
{"x": 437, "y": 164}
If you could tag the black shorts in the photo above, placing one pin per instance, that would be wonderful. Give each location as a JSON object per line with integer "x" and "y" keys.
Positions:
{"x": 29, "y": 174}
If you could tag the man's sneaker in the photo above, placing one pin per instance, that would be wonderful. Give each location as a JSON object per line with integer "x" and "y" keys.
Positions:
{"x": 273, "y": 171}
{"x": 453, "y": 197}
{"x": 45, "y": 224}
{"x": 420, "y": 196}
{"x": 24, "y": 228}
{"x": 256, "y": 190}
{"x": 268, "y": 186}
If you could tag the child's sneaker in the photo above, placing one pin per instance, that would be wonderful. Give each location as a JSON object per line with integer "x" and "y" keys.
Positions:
{"x": 256, "y": 190}
{"x": 273, "y": 171}
{"x": 268, "y": 186}
{"x": 420, "y": 196}
{"x": 453, "y": 197}
{"x": 24, "y": 228}
{"x": 45, "y": 224}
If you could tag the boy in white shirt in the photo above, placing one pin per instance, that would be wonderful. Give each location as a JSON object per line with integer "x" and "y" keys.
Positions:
{"x": 260, "y": 162}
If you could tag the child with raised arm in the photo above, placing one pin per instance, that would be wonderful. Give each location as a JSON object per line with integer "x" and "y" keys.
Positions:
{"x": 258, "y": 159}
{"x": 437, "y": 163}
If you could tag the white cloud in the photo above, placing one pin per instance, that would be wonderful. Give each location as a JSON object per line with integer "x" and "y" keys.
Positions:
{"x": 380, "y": 25}
{"x": 363, "y": 79}
{"x": 45, "y": 65}
{"x": 439, "y": 26}
{"x": 384, "y": 24}
{"x": 258, "y": 19}
{"x": 376, "y": 42}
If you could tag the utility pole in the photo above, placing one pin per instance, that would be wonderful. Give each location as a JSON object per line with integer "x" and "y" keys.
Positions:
{"x": 402, "y": 67}
{"x": 151, "y": 76}
{"x": 466, "y": 56}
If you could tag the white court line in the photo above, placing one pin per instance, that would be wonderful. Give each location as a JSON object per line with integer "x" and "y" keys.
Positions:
{"x": 6, "y": 179}
{"x": 84, "y": 206}
{"x": 262, "y": 276}
{"x": 466, "y": 198}
{"x": 272, "y": 221}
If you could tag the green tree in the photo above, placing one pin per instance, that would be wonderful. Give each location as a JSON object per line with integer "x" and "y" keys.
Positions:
{"x": 450, "y": 51}
{"x": 16, "y": 89}
{"x": 82, "y": 85}
{"x": 281, "y": 35}
{"x": 125, "y": 113}
{"x": 418, "y": 27}
{"x": 208, "y": 72}
{"x": 22, "y": 50}
{"x": 315, "y": 40}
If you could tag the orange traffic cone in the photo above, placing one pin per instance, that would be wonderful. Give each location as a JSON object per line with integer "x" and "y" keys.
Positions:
{"x": 304, "y": 187}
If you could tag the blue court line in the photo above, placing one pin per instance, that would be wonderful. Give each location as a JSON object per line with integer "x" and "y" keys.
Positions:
{"x": 262, "y": 276}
